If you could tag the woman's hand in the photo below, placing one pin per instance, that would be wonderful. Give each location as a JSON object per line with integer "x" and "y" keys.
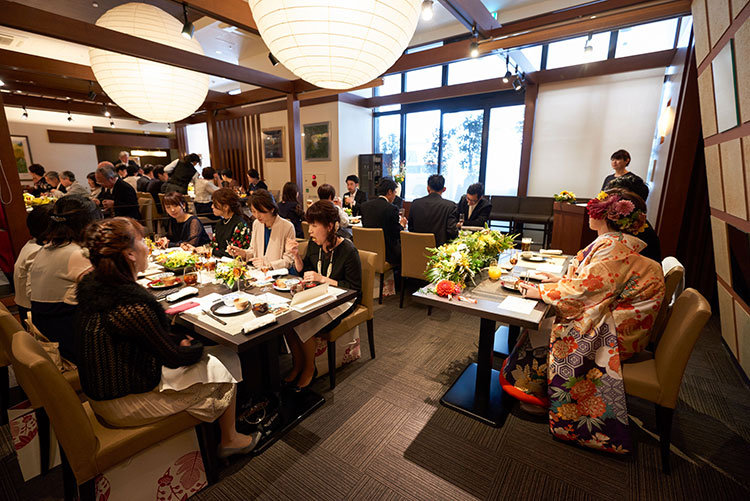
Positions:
{"x": 187, "y": 341}
{"x": 292, "y": 246}
{"x": 163, "y": 242}
{"x": 235, "y": 251}
{"x": 189, "y": 247}
{"x": 257, "y": 262}
{"x": 529, "y": 291}
{"x": 548, "y": 277}
{"x": 313, "y": 276}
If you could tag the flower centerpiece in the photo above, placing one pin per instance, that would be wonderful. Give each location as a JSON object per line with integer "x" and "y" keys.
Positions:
{"x": 462, "y": 258}
{"x": 230, "y": 272}
{"x": 348, "y": 211}
{"x": 566, "y": 197}
{"x": 400, "y": 176}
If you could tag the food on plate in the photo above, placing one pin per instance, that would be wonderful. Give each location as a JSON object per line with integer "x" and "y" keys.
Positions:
{"x": 510, "y": 282}
{"x": 191, "y": 279}
{"x": 177, "y": 259}
{"x": 261, "y": 308}
{"x": 286, "y": 283}
{"x": 241, "y": 303}
{"x": 164, "y": 282}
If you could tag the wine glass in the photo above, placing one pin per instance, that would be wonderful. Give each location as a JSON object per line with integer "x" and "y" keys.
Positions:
{"x": 461, "y": 219}
{"x": 513, "y": 258}
{"x": 189, "y": 275}
{"x": 200, "y": 264}
{"x": 265, "y": 268}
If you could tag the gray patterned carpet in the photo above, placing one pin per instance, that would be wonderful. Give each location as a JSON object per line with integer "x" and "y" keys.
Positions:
{"x": 383, "y": 434}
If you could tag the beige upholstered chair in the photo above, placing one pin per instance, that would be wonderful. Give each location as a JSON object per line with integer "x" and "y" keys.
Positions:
{"x": 414, "y": 257}
{"x": 674, "y": 275}
{"x": 4, "y": 364}
{"x": 373, "y": 240}
{"x": 89, "y": 447}
{"x": 306, "y": 229}
{"x": 302, "y": 248}
{"x": 657, "y": 377}
{"x": 146, "y": 206}
{"x": 363, "y": 313}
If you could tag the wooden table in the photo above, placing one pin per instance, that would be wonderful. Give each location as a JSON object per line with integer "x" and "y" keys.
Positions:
{"x": 477, "y": 391}
{"x": 293, "y": 407}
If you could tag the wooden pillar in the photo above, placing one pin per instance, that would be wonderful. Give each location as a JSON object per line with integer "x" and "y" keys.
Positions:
{"x": 13, "y": 230}
{"x": 295, "y": 140}
{"x": 532, "y": 90}
{"x": 213, "y": 141}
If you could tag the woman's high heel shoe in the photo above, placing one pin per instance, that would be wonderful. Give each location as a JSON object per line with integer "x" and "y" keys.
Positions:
{"x": 299, "y": 388}
{"x": 290, "y": 384}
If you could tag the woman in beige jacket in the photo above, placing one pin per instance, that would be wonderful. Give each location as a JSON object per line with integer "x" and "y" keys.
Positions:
{"x": 271, "y": 237}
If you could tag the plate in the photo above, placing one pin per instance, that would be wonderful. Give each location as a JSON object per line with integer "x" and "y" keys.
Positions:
{"x": 161, "y": 275}
{"x": 509, "y": 287}
{"x": 285, "y": 285}
{"x": 221, "y": 310}
{"x": 165, "y": 283}
{"x": 534, "y": 259}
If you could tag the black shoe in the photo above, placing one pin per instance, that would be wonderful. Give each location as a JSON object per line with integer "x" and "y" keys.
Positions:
{"x": 298, "y": 388}
{"x": 289, "y": 384}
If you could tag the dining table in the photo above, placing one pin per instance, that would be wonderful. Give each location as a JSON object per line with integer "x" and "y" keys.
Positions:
{"x": 477, "y": 392}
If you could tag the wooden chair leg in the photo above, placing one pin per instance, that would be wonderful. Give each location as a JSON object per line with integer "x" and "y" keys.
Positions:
{"x": 42, "y": 422}
{"x": 403, "y": 287}
{"x": 380, "y": 296}
{"x": 371, "y": 337}
{"x": 664, "y": 425}
{"x": 209, "y": 444}
{"x": 5, "y": 392}
{"x": 70, "y": 484}
{"x": 332, "y": 363}
{"x": 429, "y": 311}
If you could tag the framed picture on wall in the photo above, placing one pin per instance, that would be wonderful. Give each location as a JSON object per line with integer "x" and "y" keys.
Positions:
{"x": 273, "y": 144}
{"x": 317, "y": 141}
{"x": 22, "y": 152}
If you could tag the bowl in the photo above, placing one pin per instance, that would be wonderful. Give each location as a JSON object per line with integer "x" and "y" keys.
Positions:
{"x": 527, "y": 255}
{"x": 509, "y": 281}
{"x": 241, "y": 303}
{"x": 261, "y": 308}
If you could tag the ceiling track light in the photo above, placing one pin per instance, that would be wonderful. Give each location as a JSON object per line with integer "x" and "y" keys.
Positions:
{"x": 518, "y": 82}
{"x": 70, "y": 118}
{"x": 112, "y": 124}
{"x": 474, "y": 47}
{"x": 2, "y": 83}
{"x": 169, "y": 127}
{"x": 106, "y": 112}
{"x": 25, "y": 115}
{"x": 588, "y": 47}
{"x": 91, "y": 95}
{"x": 273, "y": 60}
{"x": 187, "y": 28}
{"x": 506, "y": 77}
{"x": 427, "y": 10}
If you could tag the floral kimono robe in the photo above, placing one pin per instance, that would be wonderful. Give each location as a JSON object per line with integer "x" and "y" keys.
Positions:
{"x": 605, "y": 307}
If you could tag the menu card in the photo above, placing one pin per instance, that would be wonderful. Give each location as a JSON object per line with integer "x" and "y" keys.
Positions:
{"x": 517, "y": 304}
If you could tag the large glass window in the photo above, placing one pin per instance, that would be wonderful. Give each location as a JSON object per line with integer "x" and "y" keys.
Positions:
{"x": 388, "y": 136}
{"x": 426, "y": 78}
{"x": 646, "y": 38}
{"x": 504, "y": 150}
{"x": 461, "y": 151}
{"x": 685, "y": 29}
{"x": 570, "y": 52}
{"x": 471, "y": 70}
{"x": 391, "y": 85}
{"x": 533, "y": 55}
{"x": 422, "y": 144}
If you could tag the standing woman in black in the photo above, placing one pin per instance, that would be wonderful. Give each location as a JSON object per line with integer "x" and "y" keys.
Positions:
{"x": 289, "y": 208}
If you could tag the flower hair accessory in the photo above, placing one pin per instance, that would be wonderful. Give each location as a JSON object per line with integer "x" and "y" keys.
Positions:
{"x": 621, "y": 212}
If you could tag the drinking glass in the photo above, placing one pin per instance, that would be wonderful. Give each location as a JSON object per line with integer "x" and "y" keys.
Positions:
{"x": 189, "y": 275}
{"x": 526, "y": 244}
{"x": 513, "y": 258}
{"x": 461, "y": 219}
{"x": 494, "y": 270}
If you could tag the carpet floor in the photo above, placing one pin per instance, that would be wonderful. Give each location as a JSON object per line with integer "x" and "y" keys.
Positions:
{"x": 382, "y": 434}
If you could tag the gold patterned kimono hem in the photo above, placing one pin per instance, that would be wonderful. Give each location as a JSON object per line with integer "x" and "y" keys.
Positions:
{"x": 604, "y": 307}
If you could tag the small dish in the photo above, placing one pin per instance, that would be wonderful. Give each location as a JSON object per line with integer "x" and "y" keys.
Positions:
{"x": 510, "y": 282}
{"x": 534, "y": 258}
{"x": 285, "y": 284}
{"x": 165, "y": 283}
{"x": 221, "y": 309}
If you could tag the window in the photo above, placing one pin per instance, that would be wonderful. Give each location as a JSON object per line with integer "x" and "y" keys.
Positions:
{"x": 424, "y": 47}
{"x": 570, "y": 52}
{"x": 388, "y": 136}
{"x": 390, "y": 107}
{"x": 504, "y": 150}
{"x": 646, "y": 38}
{"x": 534, "y": 56}
{"x": 426, "y": 78}
{"x": 197, "y": 141}
{"x": 685, "y": 28}
{"x": 481, "y": 68}
{"x": 391, "y": 85}
{"x": 422, "y": 143}
{"x": 461, "y": 151}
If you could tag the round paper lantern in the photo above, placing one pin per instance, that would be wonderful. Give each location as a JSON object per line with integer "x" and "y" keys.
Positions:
{"x": 336, "y": 44}
{"x": 152, "y": 91}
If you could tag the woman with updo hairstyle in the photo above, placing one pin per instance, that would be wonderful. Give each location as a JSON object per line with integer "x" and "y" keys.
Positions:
{"x": 329, "y": 259}
{"x": 271, "y": 235}
{"x": 124, "y": 342}
{"x": 290, "y": 209}
{"x": 182, "y": 228}
{"x": 56, "y": 270}
{"x": 233, "y": 227}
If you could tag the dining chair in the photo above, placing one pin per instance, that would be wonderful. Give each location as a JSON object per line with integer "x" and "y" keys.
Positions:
{"x": 414, "y": 257}
{"x": 362, "y": 314}
{"x": 373, "y": 240}
{"x": 674, "y": 275}
{"x": 89, "y": 447}
{"x": 657, "y": 377}
{"x": 306, "y": 229}
{"x": 146, "y": 207}
{"x": 4, "y": 376}
{"x": 504, "y": 208}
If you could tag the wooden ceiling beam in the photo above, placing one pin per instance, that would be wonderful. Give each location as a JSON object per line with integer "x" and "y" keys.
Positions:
{"x": 111, "y": 139}
{"x": 41, "y": 103}
{"x": 45, "y": 23}
{"x": 234, "y": 12}
{"x": 472, "y": 13}
{"x": 39, "y": 91}
{"x": 10, "y": 59}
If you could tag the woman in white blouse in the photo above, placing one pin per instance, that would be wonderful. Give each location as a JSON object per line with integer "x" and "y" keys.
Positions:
{"x": 56, "y": 270}
{"x": 204, "y": 188}
{"x": 271, "y": 237}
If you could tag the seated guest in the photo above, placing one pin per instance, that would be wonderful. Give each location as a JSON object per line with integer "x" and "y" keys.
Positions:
{"x": 182, "y": 227}
{"x": 271, "y": 235}
{"x": 148, "y": 175}
{"x": 204, "y": 188}
{"x": 56, "y": 270}
{"x": 433, "y": 214}
{"x": 53, "y": 179}
{"x": 124, "y": 342}
{"x": 604, "y": 307}
{"x": 72, "y": 187}
{"x": 122, "y": 170}
{"x": 132, "y": 177}
{"x": 290, "y": 209}
{"x": 328, "y": 192}
{"x": 182, "y": 174}
{"x": 381, "y": 213}
{"x": 475, "y": 208}
{"x": 652, "y": 250}
{"x": 155, "y": 185}
{"x": 354, "y": 197}
{"x": 233, "y": 228}
{"x": 329, "y": 259}
{"x": 40, "y": 183}
{"x": 95, "y": 187}
{"x": 254, "y": 182}
{"x": 228, "y": 181}
{"x": 37, "y": 221}
{"x": 117, "y": 197}
{"x": 620, "y": 160}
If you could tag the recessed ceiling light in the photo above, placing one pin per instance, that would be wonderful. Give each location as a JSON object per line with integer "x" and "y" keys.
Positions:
{"x": 234, "y": 92}
{"x": 218, "y": 52}
{"x": 95, "y": 5}
{"x": 592, "y": 17}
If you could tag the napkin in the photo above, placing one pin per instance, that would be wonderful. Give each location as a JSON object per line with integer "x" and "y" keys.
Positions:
{"x": 551, "y": 252}
{"x": 259, "y": 322}
{"x": 185, "y": 291}
{"x": 218, "y": 364}
{"x": 517, "y": 304}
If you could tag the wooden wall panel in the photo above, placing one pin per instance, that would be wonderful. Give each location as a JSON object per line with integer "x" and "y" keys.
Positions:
{"x": 708, "y": 106}
{"x": 742, "y": 328}
{"x": 718, "y": 19}
{"x": 742, "y": 65}
{"x": 726, "y": 314}
{"x": 721, "y": 249}
{"x": 733, "y": 178}
{"x": 713, "y": 174}
{"x": 181, "y": 135}
{"x": 737, "y": 6}
{"x": 700, "y": 30}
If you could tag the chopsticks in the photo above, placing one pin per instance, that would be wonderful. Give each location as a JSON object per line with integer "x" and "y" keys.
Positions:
{"x": 222, "y": 322}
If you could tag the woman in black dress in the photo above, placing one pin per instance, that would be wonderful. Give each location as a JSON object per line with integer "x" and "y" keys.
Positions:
{"x": 182, "y": 228}
{"x": 329, "y": 259}
{"x": 289, "y": 208}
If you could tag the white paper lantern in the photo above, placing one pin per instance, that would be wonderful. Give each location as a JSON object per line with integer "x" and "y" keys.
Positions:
{"x": 152, "y": 91}
{"x": 336, "y": 44}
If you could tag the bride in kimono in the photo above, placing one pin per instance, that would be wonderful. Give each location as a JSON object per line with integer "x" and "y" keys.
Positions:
{"x": 604, "y": 308}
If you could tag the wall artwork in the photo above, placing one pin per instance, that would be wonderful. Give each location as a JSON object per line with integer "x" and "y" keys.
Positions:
{"x": 22, "y": 152}
{"x": 273, "y": 144}
{"x": 317, "y": 141}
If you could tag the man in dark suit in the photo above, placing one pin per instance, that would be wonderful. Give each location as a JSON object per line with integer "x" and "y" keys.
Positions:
{"x": 381, "y": 213}
{"x": 433, "y": 214}
{"x": 117, "y": 197}
{"x": 354, "y": 198}
{"x": 474, "y": 207}
{"x": 155, "y": 185}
